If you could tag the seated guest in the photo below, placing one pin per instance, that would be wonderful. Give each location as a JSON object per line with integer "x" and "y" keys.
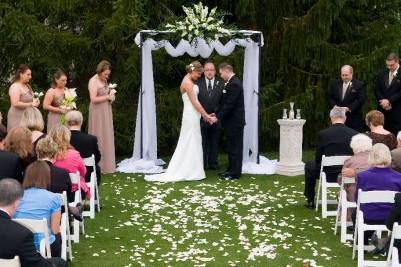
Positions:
{"x": 86, "y": 144}
{"x": 10, "y": 163}
{"x": 375, "y": 121}
{"x": 60, "y": 181}
{"x": 67, "y": 157}
{"x": 395, "y": 217}
{"x": 19, "y": 141}
{"x": 332, "y": 141}
{"x": 17, "y": 240}
{"x": 33, "y": 120}
{"x": 380, "y": 177}
{"x": 396, "y": 155}
{"x": 361, "y": 145}
{"x": 38, "y": 203}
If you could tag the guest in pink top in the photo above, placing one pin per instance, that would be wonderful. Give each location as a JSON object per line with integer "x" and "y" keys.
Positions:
{"x": 67, "y": 157}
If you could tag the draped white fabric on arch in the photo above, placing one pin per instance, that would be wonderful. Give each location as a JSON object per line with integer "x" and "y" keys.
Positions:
{"x": 149, "y": 162}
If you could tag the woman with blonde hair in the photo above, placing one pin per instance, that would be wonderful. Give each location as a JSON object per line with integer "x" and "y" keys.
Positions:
{"x": 19, "y": 141}
{"x": 33, "y": 120}
{"x": 187, "y": 161}
{"x": 53, "y": 99}
{"x": 67, "y": 157}
{"x": 100, "y": 121}
{"x": 21, "y": 96}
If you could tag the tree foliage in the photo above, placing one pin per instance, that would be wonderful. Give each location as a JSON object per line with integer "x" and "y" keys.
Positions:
{"x": 306, "y": 42}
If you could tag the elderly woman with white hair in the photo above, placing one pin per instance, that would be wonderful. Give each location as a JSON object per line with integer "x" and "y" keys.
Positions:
{"x": 361, "y": 144}
{"x": 380, "y": 177}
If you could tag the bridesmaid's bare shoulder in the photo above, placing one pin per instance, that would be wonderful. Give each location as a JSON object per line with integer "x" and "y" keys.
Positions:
{"x": 15, "y": 87}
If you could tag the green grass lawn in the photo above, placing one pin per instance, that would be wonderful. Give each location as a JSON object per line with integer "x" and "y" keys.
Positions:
{"x": 253, "y": 221}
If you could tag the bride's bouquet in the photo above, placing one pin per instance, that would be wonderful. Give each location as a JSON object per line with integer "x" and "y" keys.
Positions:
{"x": 68, "y": 102}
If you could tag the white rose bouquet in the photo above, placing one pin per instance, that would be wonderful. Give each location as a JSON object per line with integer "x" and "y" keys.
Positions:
{"x": 68, "y": 102}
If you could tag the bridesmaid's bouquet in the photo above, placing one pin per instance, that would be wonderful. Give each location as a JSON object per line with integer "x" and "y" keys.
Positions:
{"x": 38, "y": 94}
{"x": 68, "y": 102}
{"x": 112, "y": 88}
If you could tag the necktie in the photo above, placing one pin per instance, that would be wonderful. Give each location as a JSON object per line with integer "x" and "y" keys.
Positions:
{"x": 345, "y": 87}
{"x": 391, "y": 77}
{"x": 209, "y": 87}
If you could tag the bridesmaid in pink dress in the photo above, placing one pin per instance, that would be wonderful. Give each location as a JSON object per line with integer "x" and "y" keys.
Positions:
{"x": 21, "y": 96}
{"x": 100, "y": 122}
{"x": 53, "y": 99}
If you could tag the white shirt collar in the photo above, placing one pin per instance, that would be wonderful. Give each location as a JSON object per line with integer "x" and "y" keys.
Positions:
{"x": 207, "y": 81}
{"x": 6, "y": 212}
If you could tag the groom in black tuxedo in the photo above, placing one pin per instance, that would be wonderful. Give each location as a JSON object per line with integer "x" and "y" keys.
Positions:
{"x": 232, "y": 117}
{"x": 210, "y": 92}
{"x": 388, "y": 94}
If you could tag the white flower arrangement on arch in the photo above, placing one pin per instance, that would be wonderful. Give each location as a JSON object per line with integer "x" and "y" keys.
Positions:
{"x": 199, "y": 22}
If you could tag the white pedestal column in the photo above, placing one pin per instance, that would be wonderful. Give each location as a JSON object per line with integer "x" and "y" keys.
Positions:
{"x": 291, "y": 137}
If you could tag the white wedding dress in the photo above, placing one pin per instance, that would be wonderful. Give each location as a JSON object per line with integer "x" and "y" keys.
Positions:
{"x": 187, "y": 161}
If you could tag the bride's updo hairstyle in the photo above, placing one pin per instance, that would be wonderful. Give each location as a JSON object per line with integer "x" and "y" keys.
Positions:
{"x": 194, "y": 66}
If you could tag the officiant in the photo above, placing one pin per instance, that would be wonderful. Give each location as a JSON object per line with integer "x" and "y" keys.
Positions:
{"x": 210, "y": 92}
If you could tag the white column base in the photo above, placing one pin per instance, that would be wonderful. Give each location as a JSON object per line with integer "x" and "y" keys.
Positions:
{"x": 290, "y": 170}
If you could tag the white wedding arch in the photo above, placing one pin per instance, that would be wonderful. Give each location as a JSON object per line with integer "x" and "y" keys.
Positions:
{"x": 144, "y": 158}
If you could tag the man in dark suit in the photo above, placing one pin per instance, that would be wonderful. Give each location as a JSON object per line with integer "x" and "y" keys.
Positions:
{"x": 395, "y": 217}
{"x": 332, "y": 141}
{"x": 388, "y": 94}
{"x": 210, "y": 91}
{"x": 17, "y": 240}
{"x": 349, "y": 94}
{"x": 85, "y": 144}
{"x": 232, "y": 118}
{"x": 10, "y": 163}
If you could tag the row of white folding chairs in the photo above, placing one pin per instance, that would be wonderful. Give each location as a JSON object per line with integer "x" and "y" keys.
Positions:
{"x": 324, "y": 185}
{"x": 342, "y": 209}
{"x": 94, "y": 189}
{"x": 343, "y": 205}
{"x": 359, "y": 247}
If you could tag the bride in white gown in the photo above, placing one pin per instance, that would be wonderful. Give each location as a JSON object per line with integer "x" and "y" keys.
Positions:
{"x": 187, "y": 161}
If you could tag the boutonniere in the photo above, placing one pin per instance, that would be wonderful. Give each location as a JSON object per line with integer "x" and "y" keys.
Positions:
{"x": 217, "y": 83}
{"x": 350, "y": 85}
{"x": 225, "y": 84}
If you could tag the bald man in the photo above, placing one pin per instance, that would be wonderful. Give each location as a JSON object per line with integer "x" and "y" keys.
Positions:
{"x": 349, "y": 94}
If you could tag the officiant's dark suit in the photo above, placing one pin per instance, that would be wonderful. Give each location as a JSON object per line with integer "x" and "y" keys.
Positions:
{"x": 232, "y": 118}
{"x": 392, "y": 92}
{"x": 352, "y": 96}
{"x": 210, "y": 93}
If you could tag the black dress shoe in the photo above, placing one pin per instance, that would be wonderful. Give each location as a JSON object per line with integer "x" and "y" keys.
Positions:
{"x": 310, "y": 204}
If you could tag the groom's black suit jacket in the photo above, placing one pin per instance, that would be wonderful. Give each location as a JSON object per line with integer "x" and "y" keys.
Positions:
{"x": 210, "y": 103}
{"x": 232, "y": 111}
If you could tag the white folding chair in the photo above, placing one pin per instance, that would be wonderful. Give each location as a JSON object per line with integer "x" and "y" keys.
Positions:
{"x": 77, "y": 225}
{"x": 38, "y": 227}
{"x": 65, "y": 229}
{"x": 324, "y": 185}
{"x": 95, "y": 199}
{"x": 395, "y": 262}
{"x": 392, "y": 258}
{"x": 368, "y": 197}
{"x": 11, "y": 262}
{"x": 342, "y": 208}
